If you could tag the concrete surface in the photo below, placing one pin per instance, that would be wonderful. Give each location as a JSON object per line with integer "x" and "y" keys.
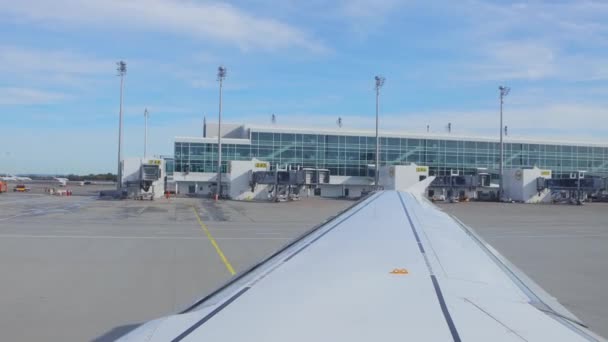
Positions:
{"x": 77, "y": 269}
{"x": 563, "y": 248}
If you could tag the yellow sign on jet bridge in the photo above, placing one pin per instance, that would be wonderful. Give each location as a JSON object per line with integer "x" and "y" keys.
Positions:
{"x": 154, "y": 162}
{"x": 261, "y": 165}
{"x": 421, "y": 169}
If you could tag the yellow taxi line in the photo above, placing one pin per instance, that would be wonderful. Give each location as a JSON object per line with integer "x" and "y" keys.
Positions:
{"x": 214, "y": 243}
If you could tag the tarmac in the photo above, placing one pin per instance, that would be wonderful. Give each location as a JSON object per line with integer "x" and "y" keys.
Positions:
{"x": 563, "y": 248}
{"x": 77, "y": 268}
{"x": 80, "y": 269}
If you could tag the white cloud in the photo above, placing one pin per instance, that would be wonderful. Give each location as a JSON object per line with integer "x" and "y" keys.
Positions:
{"x": 531, "y": 41}
{"x": 534, "y": 61}
{"x": 366, "y": 16}
{"x": 19, "y": 60}
{"x": 29, "y": 96}
{"x": 56, "y": 68}
{"x": 207, "y": 20}
{"x": 517, "y": 60}
{"x": 563, "y": 21}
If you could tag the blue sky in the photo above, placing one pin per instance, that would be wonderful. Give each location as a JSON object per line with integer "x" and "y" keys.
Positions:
{"x": 307, "y": 61}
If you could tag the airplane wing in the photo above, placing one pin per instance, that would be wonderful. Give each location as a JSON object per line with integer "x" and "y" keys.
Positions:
{"x": 393, "y": 267}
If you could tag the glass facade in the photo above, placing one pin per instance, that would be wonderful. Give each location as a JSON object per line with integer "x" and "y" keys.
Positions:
{"x": 350, "y": 155}
{"x": 169, "y": 166}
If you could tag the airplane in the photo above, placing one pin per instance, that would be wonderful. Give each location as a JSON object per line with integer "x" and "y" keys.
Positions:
{"x": 62, "y": 181}
{"x": 14, "y": 178}
{"x": 392, "y": 267}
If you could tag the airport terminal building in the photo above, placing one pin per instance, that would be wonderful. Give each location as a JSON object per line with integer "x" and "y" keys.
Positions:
{"x": 350, "y": 155}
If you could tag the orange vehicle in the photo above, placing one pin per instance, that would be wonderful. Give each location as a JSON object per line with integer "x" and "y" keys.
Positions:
{"x": 3, "y": 187}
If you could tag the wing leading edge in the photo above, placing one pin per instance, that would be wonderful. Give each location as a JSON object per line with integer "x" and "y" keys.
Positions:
{"x": 391, "y": 267}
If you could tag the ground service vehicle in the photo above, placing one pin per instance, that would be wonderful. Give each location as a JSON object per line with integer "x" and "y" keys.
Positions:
{"x": 21, "y": 188}
{"x": 3, "y": 187}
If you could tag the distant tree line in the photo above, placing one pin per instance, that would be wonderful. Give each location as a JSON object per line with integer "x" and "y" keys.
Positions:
{"x": 92, "y": 177}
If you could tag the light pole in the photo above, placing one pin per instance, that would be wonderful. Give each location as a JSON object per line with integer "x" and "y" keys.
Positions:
{"x": 204, "y": 126}
{"x": 122, "y": 71}
{"x": 146, "y": 114}
{"x": 504, "y": 91}
{"x": 379, "y": 83}
{"x": 221, "y": 75}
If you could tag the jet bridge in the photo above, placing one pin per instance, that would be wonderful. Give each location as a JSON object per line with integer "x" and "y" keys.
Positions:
{"x": 286, "y": 184}
{"x": 576, "y": 189}
{"x": 143, "y": 178}
{"x": 455, "y": 187}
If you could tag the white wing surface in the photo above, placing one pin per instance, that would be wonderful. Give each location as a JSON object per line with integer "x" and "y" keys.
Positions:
{"x": 391, "y": 268}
